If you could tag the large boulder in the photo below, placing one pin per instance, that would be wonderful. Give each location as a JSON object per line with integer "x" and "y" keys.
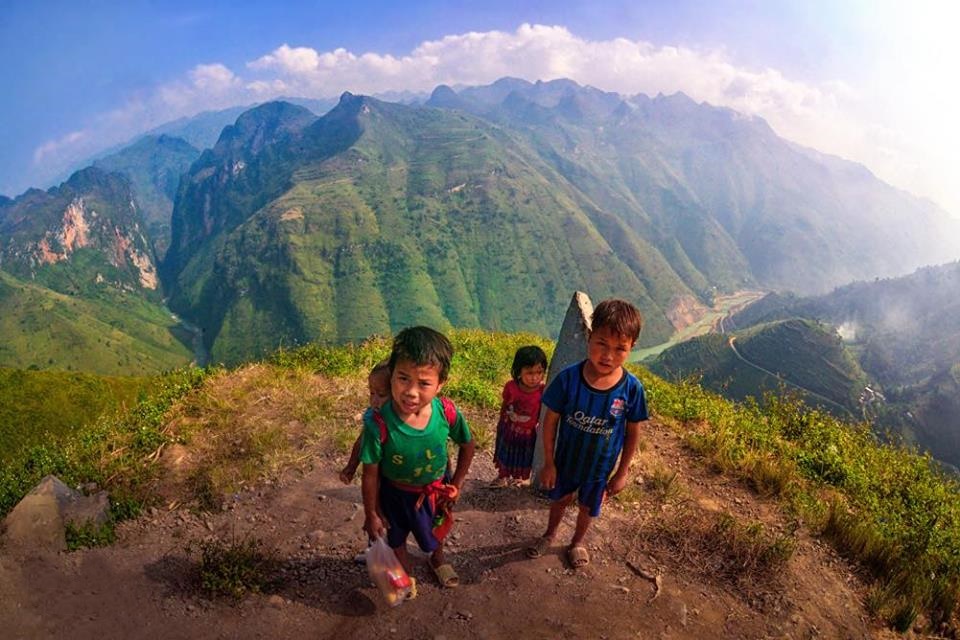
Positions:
{"x": 39, "y": 520}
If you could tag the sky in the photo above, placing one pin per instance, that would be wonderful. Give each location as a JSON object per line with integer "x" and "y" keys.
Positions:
{"x": 868, "y": 81}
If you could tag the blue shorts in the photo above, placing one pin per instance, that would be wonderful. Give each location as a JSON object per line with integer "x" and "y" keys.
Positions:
{"x": 399, "y": 507}
{"x": 589, "y": 494}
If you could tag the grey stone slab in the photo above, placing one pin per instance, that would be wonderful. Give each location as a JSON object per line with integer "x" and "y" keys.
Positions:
{"x": 571, "y": 348}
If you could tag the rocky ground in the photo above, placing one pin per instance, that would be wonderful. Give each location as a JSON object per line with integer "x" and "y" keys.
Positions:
{"x": 661, "y": 568}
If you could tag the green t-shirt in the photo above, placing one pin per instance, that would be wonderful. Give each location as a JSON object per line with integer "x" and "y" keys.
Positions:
{"x": 411, "y": 456}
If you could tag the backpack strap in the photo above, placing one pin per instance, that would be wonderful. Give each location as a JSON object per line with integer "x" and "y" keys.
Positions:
{"x": 378, "y": 418}
{"x": 449, "y": 411}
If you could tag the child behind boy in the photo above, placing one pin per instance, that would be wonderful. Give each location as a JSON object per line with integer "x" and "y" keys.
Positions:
{"x": 519, "y": 416}
{"x": 594, "y": 410}
{"x": 378, "y": 382}
{"x": 403, "y": 471}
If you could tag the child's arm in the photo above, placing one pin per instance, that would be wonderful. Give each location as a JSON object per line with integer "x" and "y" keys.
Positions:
{"x": 347, "y": 473}
{"x": 464, "y": 457}
{"x": 548, "y": 475}
{"x": 619, "y": 479}
{"x": 370, "y": 487}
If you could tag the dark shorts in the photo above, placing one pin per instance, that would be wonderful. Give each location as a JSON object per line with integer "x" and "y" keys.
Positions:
{"x": 589, "y": 494}
{"x": 403, "y": 517}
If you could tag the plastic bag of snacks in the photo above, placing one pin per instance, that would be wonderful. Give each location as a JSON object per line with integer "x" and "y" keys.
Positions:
{"x": 387, "y": 573}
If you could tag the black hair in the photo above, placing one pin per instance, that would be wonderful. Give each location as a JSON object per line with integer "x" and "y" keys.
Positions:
{"x": 529, "y": 356}
{"x": 619, "y": 317}
{"x": 422, "y": 346}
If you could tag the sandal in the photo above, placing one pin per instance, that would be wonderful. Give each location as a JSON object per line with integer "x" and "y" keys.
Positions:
{"x": 578, "y": 556}
{"x": 539, "y": 548}
{"x": 446, "y": 575}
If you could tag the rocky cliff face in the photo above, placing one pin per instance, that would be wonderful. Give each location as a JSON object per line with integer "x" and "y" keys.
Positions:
{"x": 153, "y": 165}
{"x": 87, "y": 232}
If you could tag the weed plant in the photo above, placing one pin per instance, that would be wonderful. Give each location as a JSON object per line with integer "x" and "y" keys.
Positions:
{"x": 89, "y": 535}
{"x": 232, "y": 567}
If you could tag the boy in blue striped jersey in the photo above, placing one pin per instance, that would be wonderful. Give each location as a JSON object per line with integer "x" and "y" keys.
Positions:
{"x": 594, "y": 410}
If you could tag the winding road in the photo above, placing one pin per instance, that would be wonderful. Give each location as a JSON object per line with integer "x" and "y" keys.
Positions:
{"x": 732, "y": 339}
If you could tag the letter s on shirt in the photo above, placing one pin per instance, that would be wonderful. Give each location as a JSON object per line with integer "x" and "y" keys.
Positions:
{"x": 397, "y": 459}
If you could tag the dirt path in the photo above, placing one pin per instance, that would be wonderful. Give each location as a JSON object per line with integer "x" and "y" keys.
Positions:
{"x": 145, "y": 586}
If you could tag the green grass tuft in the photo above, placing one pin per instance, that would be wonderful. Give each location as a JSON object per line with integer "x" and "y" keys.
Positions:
{"x": 233, "y": 567}
{"x": 90, "y": 535}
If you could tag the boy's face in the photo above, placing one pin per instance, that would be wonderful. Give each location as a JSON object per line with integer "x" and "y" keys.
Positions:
{"x": 607, "y": 350}
{"x": 532, "y": 376}
{"x": 414, "y": 386}
{"x": 379, "y": 384}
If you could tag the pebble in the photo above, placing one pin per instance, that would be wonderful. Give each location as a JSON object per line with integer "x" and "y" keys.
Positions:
{"x": 276, "y": 601}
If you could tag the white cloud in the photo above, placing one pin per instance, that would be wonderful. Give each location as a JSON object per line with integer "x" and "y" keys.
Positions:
{"x": 53, "y": 147}
{"x": 212, "y": 77}
{"x": 291, "y": 60}
{"x": 833, "y": 117}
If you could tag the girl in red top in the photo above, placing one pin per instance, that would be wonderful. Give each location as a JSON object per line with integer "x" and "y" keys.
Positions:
{"x": 519, "y": 416}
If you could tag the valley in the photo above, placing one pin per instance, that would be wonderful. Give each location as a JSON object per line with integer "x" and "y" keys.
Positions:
{"x": 710, "y": 320}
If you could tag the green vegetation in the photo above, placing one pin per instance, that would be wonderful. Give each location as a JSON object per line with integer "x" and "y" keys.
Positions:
{"x": 89, "y": 535}
{"x": 40, "y": 406}
{"x": 802, "y": 355}
{"x": 233, "y": 567}
{"x": 109, "y": 333}
{"x": 115, "y": 451}
{"x": 398, "y": 216}
{"x": 77, "y": 236}
{"x": 888, "y": 508}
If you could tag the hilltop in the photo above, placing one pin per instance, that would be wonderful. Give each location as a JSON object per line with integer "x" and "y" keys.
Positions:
{"x": 759, "y": 524}
{"x": 801, "y": 355}
{"x": 673, "y": 521}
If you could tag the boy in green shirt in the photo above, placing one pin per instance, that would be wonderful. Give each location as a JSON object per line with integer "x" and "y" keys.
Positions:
{"x": 404, "y": 454}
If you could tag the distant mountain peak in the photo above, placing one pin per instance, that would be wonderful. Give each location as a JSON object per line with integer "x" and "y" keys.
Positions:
{"x": 444, "y": 97}
{"x": 678, "y": 98}
{"x": 263, "y": 125}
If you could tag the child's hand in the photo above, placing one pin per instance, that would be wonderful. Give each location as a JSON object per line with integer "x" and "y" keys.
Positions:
{"x": 616, "y": 484}
{"x": 347, "y": 473}
{"x": 548, "y": 476}
{"x": 373, "y": 525}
